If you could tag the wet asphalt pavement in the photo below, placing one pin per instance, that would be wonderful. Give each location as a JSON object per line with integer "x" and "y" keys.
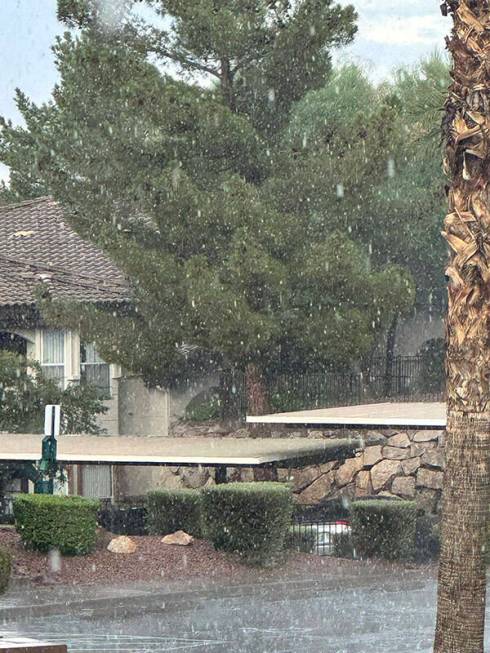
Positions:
{"x": 367, "y": 613}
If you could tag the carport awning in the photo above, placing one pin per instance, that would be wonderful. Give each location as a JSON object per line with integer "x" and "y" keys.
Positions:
{"x": 406, "y": 415}
{"x": 208, "y": 452}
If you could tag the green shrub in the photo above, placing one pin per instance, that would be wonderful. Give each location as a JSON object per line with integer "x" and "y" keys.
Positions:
{"x": 301, "y": 538}
{"x": 251, "y": 519}
{"x": 342, "y": 545}
{"x": 47, "y": 522}
{"x": 427, "y": 542}
{"x": 5, "y": 568}
{"x": 384, "y": 529}
{"x": 204, "y": 407}
{"x": 168, "y": 511}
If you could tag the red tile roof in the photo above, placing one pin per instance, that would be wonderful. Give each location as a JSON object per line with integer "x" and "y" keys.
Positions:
{"x": 37, "y": 245}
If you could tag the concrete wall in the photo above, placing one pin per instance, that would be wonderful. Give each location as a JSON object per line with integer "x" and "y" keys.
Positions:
{"x": 144, "y": 412}
{"x": 110, "y": 420}
{"x": 153, "y": 412}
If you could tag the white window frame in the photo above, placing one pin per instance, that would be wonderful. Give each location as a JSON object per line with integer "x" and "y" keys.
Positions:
{"x": 97, "y": 362}
{"x": 50, "y": 365}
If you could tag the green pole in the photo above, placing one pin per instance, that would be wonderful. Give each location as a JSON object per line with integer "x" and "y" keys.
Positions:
{"x": 48, "y": 464}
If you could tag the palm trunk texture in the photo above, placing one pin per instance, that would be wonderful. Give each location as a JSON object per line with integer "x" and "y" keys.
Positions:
{"x": 462, "y": 580}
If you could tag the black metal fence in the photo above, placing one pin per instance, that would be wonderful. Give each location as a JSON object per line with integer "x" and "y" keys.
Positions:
{"x": 320, "y": 537}
{"x": 126, "y": 519}
{"x": 403, "y": 378}
{"x": 322, "y": 529}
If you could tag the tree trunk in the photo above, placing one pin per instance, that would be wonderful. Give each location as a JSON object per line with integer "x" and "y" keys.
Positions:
{"x": 462, "y": 581}
{"x": 257, "y": 393}
{"x": 226, "y": 80}
{"x": 390, "y": 353}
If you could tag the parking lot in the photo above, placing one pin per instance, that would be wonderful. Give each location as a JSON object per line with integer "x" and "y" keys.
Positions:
{"x": 385, "y": 609}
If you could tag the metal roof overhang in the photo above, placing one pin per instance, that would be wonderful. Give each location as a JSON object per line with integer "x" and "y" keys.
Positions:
{"x": 407, "y": 415}
{"x": 205, "y": 451}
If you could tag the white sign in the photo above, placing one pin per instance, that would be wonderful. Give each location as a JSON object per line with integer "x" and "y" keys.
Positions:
{"x": 52, "y": 415}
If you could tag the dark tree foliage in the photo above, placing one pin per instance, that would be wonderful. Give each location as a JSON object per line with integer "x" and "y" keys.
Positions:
{"x": 168, "y": 147}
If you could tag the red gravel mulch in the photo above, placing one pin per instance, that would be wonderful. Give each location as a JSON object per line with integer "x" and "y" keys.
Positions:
{"x": 152, "y": 561}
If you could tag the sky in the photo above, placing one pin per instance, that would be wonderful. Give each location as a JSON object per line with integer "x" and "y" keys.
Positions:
{"x": 391, "y": 33}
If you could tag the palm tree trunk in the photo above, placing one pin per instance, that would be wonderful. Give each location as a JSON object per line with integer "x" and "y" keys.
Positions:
{"x": 462, "y": 581}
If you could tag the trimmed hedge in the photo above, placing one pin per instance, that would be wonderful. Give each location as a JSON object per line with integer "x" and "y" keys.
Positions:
{"x": 168, "y": 511}
{"x": 342, "y": 545}
{"x": 427, "y": 540}
{"x": 251, "y": 519}
{"x": 47, "y": 522}
{"x": 384, "y": 529}
{"x": 5, "y": 568}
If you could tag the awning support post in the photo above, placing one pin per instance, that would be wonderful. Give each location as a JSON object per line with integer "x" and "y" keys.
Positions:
{"x": 220, "y": 474}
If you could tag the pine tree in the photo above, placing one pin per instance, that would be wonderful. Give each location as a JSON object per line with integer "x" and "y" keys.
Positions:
{"x": 172, "y": 178}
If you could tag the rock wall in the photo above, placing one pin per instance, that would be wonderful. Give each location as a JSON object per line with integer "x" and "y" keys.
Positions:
{"x": 406, "y": 464}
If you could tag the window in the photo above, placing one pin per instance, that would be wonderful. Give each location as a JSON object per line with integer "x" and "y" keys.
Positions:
{"x": 94, "y": 370}
{"x": 53, "y": 355}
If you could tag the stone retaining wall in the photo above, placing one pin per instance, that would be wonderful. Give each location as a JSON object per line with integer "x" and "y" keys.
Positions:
{"x": 406, "y": 464}
{"x": 403, "y": 463}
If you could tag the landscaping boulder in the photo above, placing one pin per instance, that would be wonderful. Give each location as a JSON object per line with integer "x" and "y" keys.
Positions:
{"x": 122, "y": 544}
{"x": 179, "y": 538}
